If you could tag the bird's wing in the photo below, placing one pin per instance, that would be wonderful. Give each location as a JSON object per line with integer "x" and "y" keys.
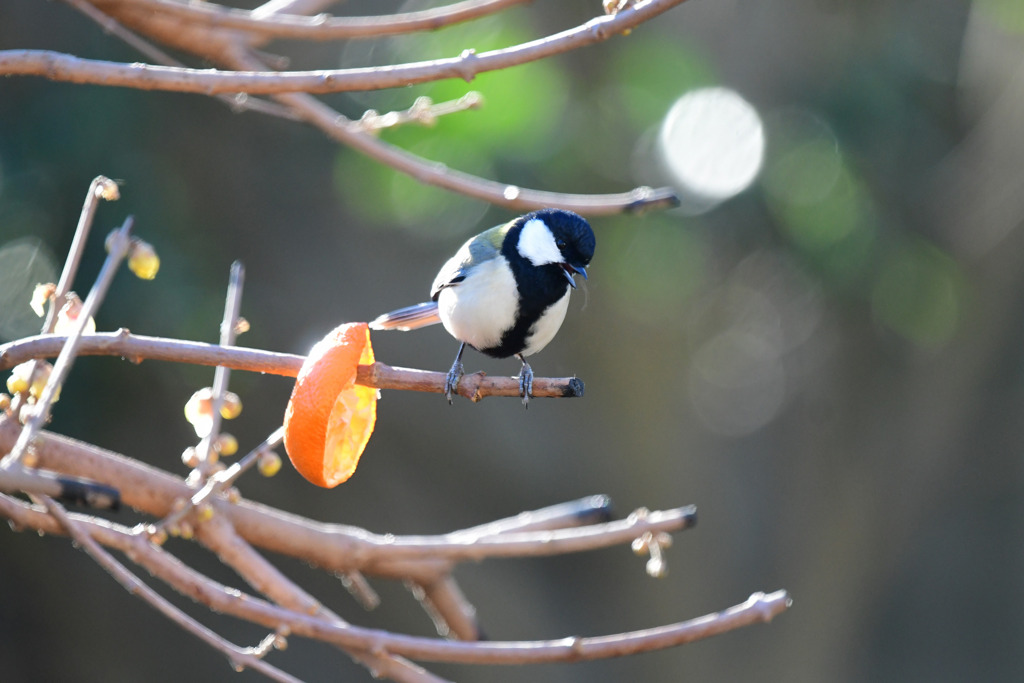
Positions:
{"x": 408, "y": 318}
{"x": 483, "y": 247}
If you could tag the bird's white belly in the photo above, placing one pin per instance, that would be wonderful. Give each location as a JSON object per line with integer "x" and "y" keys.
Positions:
{"x": 544, "y": 330}
{"x": 479, "y": 309}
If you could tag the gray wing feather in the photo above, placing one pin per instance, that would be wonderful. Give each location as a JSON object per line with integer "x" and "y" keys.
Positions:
{"x": 408, "y": 318}
{"x": 483, "y": 247}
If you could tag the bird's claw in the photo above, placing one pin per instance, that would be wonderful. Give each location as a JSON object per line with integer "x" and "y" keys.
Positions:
{"x": 526, "y": 383}
{"x": 451, "y": 381}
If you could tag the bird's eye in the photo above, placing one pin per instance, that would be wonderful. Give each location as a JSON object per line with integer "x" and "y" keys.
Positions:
{"x": 560, "y": 244}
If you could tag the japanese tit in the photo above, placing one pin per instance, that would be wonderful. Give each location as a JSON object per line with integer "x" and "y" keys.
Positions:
{"x": 505, "y": 291}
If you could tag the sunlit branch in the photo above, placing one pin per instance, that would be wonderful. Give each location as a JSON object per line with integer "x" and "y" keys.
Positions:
{"x": 239, "y": 657}
{"x": 758, "y": 608}
{"x": 379, "y": 375}
{"x": 338, "y": 547}
{"x": 63, "y": 67}
{"x": 320, "y": 27}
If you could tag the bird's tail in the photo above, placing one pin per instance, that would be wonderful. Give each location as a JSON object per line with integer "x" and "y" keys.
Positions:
{"x": 408, "y": 318}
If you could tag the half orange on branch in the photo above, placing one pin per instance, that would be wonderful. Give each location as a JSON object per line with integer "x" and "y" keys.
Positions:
{"x": 329, "y": 417}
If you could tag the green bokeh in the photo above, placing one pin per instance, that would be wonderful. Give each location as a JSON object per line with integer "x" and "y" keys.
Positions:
{"x": 652, "y": 73}
{"x": 655, "y": 266}
{"x": 919, "y": 293}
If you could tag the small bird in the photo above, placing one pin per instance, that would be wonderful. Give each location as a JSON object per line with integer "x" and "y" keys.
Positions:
{"x": 505, "y": 291}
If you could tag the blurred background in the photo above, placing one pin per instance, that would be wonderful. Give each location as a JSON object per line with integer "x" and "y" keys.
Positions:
{"x": 823, "y": 348}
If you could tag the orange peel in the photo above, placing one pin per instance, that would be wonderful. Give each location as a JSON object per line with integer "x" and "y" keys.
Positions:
{"x": 329, "y": 418}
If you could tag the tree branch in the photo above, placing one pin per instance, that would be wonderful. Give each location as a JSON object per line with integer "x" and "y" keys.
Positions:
{"x": 337, "y": 547}
{"x": 759, "y": 607}
{"x": 137, "y": 348}
{"x": 63, "y": 67}
{"x": 239, "y": 657}
{"x": 320, "y": 27}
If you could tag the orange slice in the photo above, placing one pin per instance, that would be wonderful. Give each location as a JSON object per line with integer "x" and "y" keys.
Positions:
{"x": 329, "y": 417}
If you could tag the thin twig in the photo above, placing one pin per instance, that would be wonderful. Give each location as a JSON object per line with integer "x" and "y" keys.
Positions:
{"x": 451, "y": 612}
{"x": 41, "y": 410}
{"x": 219, "y": 482}
{"x": 321, "y": 27}
{"x": 228, "y": 332}
{"x": 342, "y": 129}
{"x": 62, "y": 67}
{"x": 137, "y": 348}
{"x": 101, "y": 187}
{"x": 423, "y": 111}
{"x": 239, "y": 657}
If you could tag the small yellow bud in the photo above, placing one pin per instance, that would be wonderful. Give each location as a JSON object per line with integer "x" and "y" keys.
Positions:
{"x": 143, "y": 260}
{"x": 30, "y": 459}
{"x": 5, "y": 402}
{"x": 18, "y": 381}
{"x": 269, "y": 463}
{"x": 186, "y": 531}
{"x": 657, "y": 568}
{"x": 158, "y": 537}
{"x": 234, "y": 495}
{"x": 16, "y": 384}
{"x": 107, "y": 189}
{"x": 231, "y": 407}
{"x": 226, "y": 445}
{"x": 40, "y": 295}
{"x": 190, "y": 457}
{"x": 204, "y": 513}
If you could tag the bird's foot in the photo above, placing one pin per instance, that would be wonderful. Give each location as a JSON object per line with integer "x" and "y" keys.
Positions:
{"x": 451, "y": 382}
{"x": 526, "y": 383}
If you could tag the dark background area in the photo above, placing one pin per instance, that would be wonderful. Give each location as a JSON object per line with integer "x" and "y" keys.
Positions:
{"x": 828, "y": 364}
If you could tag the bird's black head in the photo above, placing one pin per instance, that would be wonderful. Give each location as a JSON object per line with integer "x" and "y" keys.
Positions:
{"x": 556, "y": 237}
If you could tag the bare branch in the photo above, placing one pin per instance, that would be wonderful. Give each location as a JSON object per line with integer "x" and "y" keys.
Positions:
{"x": 239, "y": 657}
{"x": 336, "y": 126}
{"x": 227, "y": 49}
{"x": 321, "y": 27}
{"x": 760, "y": 607}
{"x": 63, "y": 67}
{"x": 41, "y": 411}
{"x": 100, "y": 188}
{"x": 336, "y": 547}
{"x": 379, "y": 375}
{"x": 228, "y": 327}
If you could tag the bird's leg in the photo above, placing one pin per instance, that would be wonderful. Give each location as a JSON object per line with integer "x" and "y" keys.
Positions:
{"x": 525, "y": 380}
{"x": 451, "y": 382}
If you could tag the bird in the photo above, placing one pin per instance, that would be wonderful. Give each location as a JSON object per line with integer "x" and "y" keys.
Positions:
{"x": 505, "y": 291}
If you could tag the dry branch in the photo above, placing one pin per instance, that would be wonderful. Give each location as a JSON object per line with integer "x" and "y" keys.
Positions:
{"x": 335, "y": 547}
{"x": 239, "y": 657}
{"x": 320, "y": 27}
{"x": 137, "y": 348}
{"x": 760, "y": 607}
{"x": 63, "y": 67}
{"x": 228, "y": 49}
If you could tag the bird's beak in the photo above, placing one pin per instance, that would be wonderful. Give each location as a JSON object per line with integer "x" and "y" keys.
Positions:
{"x": 570, "y": 269}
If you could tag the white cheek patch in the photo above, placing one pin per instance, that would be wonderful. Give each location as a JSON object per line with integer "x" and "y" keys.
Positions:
{"x": 537, "y": 244}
